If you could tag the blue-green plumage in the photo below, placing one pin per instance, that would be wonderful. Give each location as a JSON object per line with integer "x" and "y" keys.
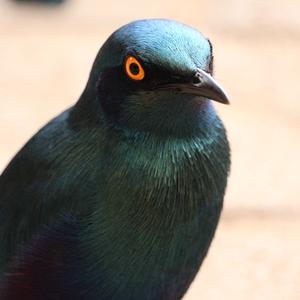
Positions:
{"x": 119, "y": 197}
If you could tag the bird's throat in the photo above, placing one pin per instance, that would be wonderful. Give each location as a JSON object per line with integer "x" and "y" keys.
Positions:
{"x": 168, "y": 116}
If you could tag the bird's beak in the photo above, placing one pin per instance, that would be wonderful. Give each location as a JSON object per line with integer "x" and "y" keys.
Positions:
{"x": 203, "y": 85}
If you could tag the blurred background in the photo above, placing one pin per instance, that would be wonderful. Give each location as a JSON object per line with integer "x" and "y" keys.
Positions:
{"x": 46, "y": 52}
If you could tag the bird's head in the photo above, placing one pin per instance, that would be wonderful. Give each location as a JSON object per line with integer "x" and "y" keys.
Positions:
{"x": 156, "y": 76}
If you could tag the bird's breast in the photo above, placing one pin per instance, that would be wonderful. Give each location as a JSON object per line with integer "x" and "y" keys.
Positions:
{"x": 158, "y": 213}
{"x": 171, "y": 178}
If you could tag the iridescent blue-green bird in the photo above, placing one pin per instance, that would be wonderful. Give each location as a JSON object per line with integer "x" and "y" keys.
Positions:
{"x": 119, "y": 196}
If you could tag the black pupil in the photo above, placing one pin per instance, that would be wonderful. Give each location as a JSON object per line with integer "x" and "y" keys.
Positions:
{"x": 134, "y": 69}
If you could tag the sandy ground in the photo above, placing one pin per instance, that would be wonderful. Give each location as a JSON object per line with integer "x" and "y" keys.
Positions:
{"x": 45, "y": 58}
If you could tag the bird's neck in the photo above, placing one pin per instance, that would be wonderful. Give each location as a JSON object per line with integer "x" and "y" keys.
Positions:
{"x": 168, "y": 116}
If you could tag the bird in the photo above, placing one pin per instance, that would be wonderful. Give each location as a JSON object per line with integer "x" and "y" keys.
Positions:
{"x": 120, "y": 195}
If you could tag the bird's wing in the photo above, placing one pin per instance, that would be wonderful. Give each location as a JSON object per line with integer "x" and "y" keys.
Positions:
{"x": 45, "y": 267}
{"x": 46, "y": 178}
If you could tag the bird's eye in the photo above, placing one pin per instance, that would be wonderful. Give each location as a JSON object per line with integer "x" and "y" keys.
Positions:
{"x": 134, "y": 69}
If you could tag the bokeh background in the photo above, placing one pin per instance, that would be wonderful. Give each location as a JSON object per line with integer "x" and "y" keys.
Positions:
{"x": 46, "y": 53}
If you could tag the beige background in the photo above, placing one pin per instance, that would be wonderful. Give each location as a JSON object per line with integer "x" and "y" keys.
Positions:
{"x": 45, "y": 57}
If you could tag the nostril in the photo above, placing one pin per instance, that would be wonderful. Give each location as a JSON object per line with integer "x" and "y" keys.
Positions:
{"x": 196, "y": 78}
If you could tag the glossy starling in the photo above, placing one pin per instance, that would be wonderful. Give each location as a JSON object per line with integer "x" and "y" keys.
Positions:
{"x": 119, "y": 196}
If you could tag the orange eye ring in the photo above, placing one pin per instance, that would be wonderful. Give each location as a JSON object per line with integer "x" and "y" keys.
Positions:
{"x": 134, "y": 69}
